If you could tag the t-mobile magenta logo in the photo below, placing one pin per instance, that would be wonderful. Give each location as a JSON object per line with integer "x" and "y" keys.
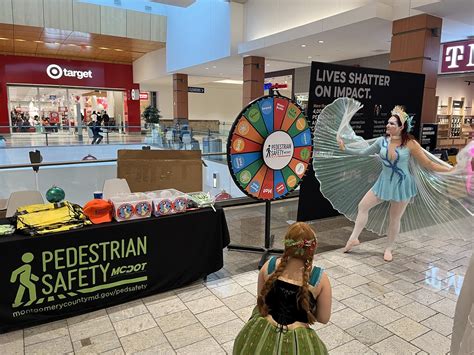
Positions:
{"x": 455, "y": 55}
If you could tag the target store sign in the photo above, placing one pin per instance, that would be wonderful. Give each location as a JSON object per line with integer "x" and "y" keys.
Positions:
{"x": 56, "y": 72}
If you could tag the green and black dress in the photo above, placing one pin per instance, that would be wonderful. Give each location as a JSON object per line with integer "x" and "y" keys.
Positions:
{"x": 259, "y": 336}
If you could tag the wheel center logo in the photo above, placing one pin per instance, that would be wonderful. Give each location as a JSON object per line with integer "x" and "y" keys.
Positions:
{"x": 278, "y": 150}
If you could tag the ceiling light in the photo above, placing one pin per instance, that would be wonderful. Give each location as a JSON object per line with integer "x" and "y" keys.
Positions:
{"x": 71, "y": 44}
{"x": 206, "y": 68}
{"x": 268, "y": 65}
{"x": 320, "y": 41}
{"x": 3, "y": 39}
{"x": 88, "y": 46}
{"x": 309, "y": 57}
{"x": 118, "y": 50}
{"x": 229, "y": 81}
{"x": 20, "y": 40}
{"x": 214, "y": 66}
{"x": 104, "y": 48}
{"x": 38, "y": 41}
{"x": 303, "y": 45}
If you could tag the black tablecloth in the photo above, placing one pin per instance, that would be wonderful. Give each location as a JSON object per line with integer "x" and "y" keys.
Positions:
{"x": 60, "y": 275}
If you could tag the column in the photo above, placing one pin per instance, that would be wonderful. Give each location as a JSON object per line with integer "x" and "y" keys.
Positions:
{"x": 415, "y": 48}
{"x": 180, "y": 98}
{"x": 254, "y": 75}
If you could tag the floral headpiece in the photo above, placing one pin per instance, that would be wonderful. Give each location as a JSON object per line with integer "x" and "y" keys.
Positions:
{"x": 301, "y": 245}
{"x": 404, "y": 117}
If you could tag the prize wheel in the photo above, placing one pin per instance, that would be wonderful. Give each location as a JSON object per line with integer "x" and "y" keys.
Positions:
{"x": 269, "y": 147}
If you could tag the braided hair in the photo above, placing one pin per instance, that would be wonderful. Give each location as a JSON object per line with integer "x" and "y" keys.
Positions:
{"x": 300, "y": 243}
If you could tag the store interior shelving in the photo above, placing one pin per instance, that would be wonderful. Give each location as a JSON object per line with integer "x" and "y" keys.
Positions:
{"x": 455, "y": 122}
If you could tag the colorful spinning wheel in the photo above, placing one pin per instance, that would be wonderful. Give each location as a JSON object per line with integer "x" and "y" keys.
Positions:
{"x": 269, "y": 147}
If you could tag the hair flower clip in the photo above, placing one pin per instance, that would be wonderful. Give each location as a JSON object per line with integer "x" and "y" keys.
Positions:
{"x": 300, "y": 243}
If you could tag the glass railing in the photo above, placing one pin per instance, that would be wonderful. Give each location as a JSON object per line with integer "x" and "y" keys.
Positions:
{"x": 79, "y": 179}
{"x": 81, "y": 168}
{"x": 160, "y": 137}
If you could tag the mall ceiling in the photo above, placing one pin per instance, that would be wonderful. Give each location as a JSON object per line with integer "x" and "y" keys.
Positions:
{"x": 48, "y": 42}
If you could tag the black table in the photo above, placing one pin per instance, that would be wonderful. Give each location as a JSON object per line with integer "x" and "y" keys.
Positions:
{"x": 60, "y": 275}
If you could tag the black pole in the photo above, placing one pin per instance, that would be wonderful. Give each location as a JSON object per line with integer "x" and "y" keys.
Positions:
{"x": 268, "y": 212}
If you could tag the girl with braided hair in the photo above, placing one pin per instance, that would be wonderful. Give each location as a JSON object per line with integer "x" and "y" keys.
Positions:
{"x": 292, "y": 295}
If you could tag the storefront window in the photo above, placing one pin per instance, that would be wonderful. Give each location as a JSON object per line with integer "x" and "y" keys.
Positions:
{"x": 34, "y": 109}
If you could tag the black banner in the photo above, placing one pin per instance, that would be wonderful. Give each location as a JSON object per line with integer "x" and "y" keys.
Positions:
{"x": 429, "y": 135}
{"x": 65, "y": 274}
{"x": 379, "y": 91}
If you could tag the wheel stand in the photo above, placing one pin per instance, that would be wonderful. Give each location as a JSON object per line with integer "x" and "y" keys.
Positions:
{"x": 267, "y": 249}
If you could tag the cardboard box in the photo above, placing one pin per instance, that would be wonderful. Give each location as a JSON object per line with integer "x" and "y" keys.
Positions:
{"x": 148, "y": 170}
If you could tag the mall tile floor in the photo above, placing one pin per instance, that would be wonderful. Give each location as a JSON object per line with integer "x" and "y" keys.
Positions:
{"x": 402, "y": 307}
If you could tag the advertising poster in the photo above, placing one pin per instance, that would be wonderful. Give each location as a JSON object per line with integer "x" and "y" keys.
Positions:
{"x": 429, "y": 135}
{"x": 379, "y": 91}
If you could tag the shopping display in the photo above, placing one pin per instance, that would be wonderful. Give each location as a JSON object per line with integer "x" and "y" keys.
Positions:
{"x": 61, "y": 216}
{"x": 269, "y": 147}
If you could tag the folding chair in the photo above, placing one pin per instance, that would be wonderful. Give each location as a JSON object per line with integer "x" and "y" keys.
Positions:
{"x": 22, "y": 198}
{"x": 113, "y": 187}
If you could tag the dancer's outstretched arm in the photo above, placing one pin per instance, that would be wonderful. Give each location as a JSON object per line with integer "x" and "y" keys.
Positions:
{"x": 417, "y": 152}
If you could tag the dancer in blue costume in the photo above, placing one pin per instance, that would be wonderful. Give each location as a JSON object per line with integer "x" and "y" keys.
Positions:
{"x": 390, "y": 176}
{"x": 395, "y": 183}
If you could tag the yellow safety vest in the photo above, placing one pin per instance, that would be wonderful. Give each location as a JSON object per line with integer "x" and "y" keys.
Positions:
{"x": 50, "y": 218}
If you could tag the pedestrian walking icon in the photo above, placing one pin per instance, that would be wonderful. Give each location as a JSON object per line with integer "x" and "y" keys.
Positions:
{"x": 26, "y": 278}
{"x": 268, "y": 151}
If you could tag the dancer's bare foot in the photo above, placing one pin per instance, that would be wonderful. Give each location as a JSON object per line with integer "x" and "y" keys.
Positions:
{"x": 387, "y": 256}
{"x": 351, "y": 244}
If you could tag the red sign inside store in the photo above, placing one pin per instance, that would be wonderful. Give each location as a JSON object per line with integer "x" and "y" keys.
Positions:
{"x": 143, "y": 96}
{"x": 458, "y": 57}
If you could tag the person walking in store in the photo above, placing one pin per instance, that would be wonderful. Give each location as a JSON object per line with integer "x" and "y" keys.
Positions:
{"x": 106, "y": 119}
{"x": 292, "y": 295}
{"x": 403, "y": 172}
{"x": 94, "y": 125}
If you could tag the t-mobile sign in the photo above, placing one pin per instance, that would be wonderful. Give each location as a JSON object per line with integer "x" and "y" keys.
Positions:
{"x": 458, "y": 57}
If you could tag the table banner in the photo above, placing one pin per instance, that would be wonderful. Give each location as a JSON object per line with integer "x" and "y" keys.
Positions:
{"x": 61, "y": 275}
